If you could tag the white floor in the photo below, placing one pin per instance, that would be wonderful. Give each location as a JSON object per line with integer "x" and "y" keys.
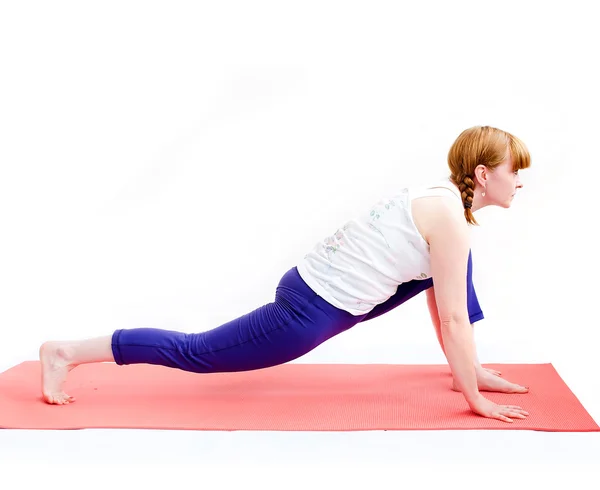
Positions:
{"x": 462, "y": 459}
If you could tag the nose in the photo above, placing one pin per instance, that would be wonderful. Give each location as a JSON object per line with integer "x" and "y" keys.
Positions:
{"x": 519, "y": 183}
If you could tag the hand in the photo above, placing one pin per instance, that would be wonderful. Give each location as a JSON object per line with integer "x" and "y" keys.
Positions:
{"x": 487, "y": 380}
{"x": 491, "y": 371}
{"x": 489, "y": 409}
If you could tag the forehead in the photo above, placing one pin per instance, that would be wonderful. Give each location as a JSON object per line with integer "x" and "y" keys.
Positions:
{"x": 508, "y": 163}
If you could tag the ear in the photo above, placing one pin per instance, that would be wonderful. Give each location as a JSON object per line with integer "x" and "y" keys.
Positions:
{"x": 481, "y": 175}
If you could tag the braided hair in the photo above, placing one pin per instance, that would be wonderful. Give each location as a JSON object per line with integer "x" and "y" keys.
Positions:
{"x": 466, "y": 186}
{"x": 467, "y": 190}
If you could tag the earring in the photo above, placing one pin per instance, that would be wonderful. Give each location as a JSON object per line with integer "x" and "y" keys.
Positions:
{"x": 483, "y": 193}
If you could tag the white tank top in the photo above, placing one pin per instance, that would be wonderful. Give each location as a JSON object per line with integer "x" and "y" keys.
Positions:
{"x": 362, "y": 264}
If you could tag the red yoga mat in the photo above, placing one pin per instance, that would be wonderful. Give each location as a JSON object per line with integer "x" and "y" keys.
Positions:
{"x": 289, "y": 397}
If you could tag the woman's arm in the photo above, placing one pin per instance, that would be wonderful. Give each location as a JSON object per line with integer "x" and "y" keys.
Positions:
{"x": 445, "y": 229}
{"x": 446, "y": 232}
{"x": 448, "y": 238}
{"x": 435, "y": 319}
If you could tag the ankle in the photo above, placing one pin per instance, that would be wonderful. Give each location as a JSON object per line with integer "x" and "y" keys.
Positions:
{"x": 66, "y": 354}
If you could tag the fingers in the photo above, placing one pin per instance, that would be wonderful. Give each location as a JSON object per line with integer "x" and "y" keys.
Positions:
{"x": 513, "y": 411}
{"x": 493, "y": 371}
{"x": 512, "y": 407}
{"x": 516, "y": 415}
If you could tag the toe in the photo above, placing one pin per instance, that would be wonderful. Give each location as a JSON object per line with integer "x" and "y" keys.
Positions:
{"x": 56, "y": 399}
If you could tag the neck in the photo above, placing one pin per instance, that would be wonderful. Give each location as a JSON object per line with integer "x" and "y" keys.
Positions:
{"x": 478, "y": 200}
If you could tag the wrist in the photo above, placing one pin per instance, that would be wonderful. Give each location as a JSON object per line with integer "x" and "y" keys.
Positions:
{"x": 474, "y": 399}
{"x": 479, "y": 369}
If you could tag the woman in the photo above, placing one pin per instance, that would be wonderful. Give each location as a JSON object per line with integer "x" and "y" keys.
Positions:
{"x": 417, "y": 240}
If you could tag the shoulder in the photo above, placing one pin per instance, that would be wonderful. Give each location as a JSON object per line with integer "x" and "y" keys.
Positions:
{"x": 439, "y": 217}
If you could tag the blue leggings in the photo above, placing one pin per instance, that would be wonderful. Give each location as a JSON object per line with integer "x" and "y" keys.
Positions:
{"x": 295, "y": 323}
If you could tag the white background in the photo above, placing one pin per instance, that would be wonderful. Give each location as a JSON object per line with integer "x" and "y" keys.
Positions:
{"x": 164, "y": 163}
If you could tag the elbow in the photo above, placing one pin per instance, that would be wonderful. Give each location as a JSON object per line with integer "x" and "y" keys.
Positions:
{"x": 451, "y": 321}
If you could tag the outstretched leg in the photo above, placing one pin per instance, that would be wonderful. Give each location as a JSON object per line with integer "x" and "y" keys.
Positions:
{"x": 294, "y": 324}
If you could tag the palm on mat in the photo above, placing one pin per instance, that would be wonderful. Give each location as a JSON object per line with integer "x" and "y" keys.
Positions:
{"x": 491, "y": 380}
{"x": 493, "y": 371}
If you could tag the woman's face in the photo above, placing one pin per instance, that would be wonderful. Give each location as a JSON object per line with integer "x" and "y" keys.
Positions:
{"x": 502, "y": 184}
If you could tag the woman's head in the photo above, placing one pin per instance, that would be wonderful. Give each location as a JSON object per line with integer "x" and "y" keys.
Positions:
{"x": 484, "y": 163}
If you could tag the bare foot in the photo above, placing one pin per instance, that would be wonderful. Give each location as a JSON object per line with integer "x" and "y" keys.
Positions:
{"x": 54, "y": 357}
{"x": 492, "y": 382}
